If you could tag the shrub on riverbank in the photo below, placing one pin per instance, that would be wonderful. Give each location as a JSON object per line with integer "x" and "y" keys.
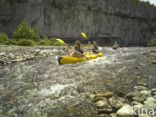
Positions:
{"x": 3, "y": 37}
{"x": 26, "y": 36}
{"x": 25, "y": 42}
{"x": 24, "y": 31}
{"x": 152, "y": 43}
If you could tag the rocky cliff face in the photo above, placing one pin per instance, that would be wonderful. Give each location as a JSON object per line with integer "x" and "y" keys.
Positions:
{"x": 126, "y": 21}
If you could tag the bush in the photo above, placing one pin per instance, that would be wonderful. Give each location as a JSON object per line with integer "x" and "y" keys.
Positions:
{"x": 3, "y": 37}
{"x": 24, "y": 31}
{"x": 25, "y": 42}
{"x": 44, "y": 42}
{"x": 10, "y": 42}
{"x": 152, "y": 43}
{"x": 54, "y": 42}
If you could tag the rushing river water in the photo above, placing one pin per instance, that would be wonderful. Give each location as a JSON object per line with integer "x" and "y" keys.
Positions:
{"x": 42, "y": 88}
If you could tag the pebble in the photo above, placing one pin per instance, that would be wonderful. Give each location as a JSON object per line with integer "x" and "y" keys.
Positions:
{"x": 125, "y": 111}
{"x": 142, "y": 84}
{"x": 154, "y": 62}
{"x": 102, "y": 103}
{"x": 144, "y": 115}
{"x": 133, "y": 94}
{"x": 92, "y": 96}
{"x": 140, "y": 88}
{"x": 105, "y": 94}
{"x": 153, "y": 90}
{"x": 150, "y": 103}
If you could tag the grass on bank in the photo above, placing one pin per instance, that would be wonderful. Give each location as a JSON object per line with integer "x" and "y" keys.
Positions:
{"x": 152, "y": 43}
{"x": 24, "y": 35}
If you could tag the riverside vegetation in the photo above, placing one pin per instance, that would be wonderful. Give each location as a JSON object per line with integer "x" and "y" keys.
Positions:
{"x": 24, "y": 35}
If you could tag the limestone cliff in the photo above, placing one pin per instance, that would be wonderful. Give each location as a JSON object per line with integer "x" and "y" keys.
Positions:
{"x": 128, "y": 22}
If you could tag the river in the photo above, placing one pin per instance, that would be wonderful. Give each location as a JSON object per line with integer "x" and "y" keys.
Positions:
{"x": 43, "y": 88}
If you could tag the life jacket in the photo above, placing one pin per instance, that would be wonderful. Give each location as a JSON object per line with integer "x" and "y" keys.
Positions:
{"x": 78, "y": 49}
{"x": 95, "y": 48}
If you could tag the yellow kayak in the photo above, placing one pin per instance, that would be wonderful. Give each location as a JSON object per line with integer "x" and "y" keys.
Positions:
{"x": 72, "y": 60}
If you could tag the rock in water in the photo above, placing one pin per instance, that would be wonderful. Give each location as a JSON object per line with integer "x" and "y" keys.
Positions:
{"x": 105, "y": 94}
{"x": 101, "y": 104}
{"x": 150, "y": 103}
{"x": 125, "y": 111}
{"x": 133, "y": 94}
{"x": 144, "y": 115}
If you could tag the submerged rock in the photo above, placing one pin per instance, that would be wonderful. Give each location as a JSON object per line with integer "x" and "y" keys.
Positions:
{"x": 133, "y": 94}
{"x": 105, "y": 94}
{"x": 140, "y": 88}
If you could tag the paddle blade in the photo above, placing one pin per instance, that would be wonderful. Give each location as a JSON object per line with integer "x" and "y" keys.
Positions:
{"x": 61, "y": 41}
{"x": 84, "y": 35}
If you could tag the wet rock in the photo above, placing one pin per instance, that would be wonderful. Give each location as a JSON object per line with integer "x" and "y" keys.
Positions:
{"x": 119, "y": 103}
{"x": 137, "y": 108}
{"x": 154, "y": 62}
{"x": 142, "y": 64}
{"x": 103, "y": 115}
{"x": 142, "y": 84}
{"x": 105, "y": 110}
{"x": 139, "y": 99}
{"x": 146, "y": 92}
{"x": 92, "y": 96}
{"x": 113, "y": 115}
{"x": 140, "y": 88}
{"x": 98, "y": 98}
{"x": 153, "y": 90}
{"x": 125, "y": 111}
{"x": 102, "y": 103}
{"x": 112, "y": 101}
{"x": 144, "y": 115}
{"x": 136, "y": 103}
{"x": 150, "y": 103}
{"x": 133, "y": 94}
{"x": 105, "y": 94}
{"x": 153, "y": 93}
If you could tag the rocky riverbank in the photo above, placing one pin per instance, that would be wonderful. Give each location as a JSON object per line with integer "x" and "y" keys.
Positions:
{"x": 141, "y": 102}
{"x": 14, "y": 54}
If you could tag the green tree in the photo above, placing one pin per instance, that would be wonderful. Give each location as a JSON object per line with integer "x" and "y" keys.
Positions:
{"x": 3, "y": 37}
{"x": 152, "y": 43}
{"x": 24, "y": 31}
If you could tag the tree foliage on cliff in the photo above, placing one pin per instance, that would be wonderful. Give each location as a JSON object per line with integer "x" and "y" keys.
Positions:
{"x": 152, "y": 43}
{"x": 3, "y": 37}
{"x": 24, "y": 31}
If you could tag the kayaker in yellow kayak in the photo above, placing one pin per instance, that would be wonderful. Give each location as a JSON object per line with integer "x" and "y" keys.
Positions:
{"x": 95, "y": 48}
{"x": 77, "y": 51}
{"x": 89, "y": 44}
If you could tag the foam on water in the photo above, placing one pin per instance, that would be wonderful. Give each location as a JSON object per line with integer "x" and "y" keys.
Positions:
{"x": 53, "y": 89}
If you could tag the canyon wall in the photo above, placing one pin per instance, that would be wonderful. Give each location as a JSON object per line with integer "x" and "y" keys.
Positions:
{"x": 130, "y": 23}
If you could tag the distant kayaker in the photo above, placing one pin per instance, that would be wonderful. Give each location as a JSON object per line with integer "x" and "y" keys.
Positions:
{"x": 95, "y": 47}
{"x": 116, "y": 45}
{"x": 89, "y": 44}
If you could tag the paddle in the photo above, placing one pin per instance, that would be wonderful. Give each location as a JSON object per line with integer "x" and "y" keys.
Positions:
{"x": 84, "y": 35}
{"x": 61, "y": 41}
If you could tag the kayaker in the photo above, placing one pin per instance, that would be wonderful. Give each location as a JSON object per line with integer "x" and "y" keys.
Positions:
{"x": 77, "y": 51}
{"x": 95, "y": 48}
{"x": 116, "y": 45}
{"x": 89, "y": 44}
